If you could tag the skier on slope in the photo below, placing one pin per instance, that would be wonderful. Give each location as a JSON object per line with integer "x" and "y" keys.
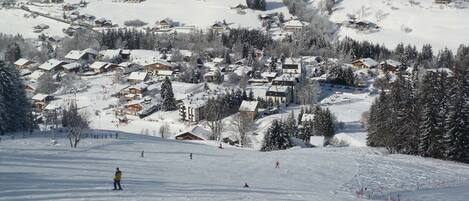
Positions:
{"x": 190, "y": 156}
{"x": 277, "y": 164}
{"x": 117, "y": 179}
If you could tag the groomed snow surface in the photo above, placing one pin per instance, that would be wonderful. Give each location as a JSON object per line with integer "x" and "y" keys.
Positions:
{"x": 34, "y": 169}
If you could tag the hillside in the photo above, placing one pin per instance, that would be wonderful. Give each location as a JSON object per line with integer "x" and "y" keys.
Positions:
{"x": 440, "y": 25}
{"x": 34, "y": 169}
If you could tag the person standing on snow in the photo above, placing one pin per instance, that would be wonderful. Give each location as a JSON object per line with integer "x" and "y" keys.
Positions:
{"x": 277, "y": 164}
{"x": 190, "y": 156}
{"x": 117, "y": 179}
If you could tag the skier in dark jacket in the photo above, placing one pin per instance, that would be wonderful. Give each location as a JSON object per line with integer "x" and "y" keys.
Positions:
{"x": 190, "y": 156}
{"x": 117, "y": 179}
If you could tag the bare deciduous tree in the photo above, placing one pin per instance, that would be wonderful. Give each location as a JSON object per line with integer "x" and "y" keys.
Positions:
{"x": 164, "y": 130}
{"x": 75, "y": 122}
{"x": 243, "y": 125}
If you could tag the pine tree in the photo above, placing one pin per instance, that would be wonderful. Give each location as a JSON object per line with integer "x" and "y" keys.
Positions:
{"x": 169, "y": 103}
{"x": 12, "y": 53}
{"x": 291, "y": 127}
{"x": 276, "y": 138}
{"x": 15, "y": 108}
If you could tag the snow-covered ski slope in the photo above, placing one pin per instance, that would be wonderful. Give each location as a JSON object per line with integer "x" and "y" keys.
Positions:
{"x": 439, "y": 25}
{"x": 33, "y": 169}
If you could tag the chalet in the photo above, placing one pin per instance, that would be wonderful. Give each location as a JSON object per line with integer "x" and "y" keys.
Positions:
{"x": 52, "y": 65}
{"x": 137, "y": 77}
{"x": 391, "y": 65}
{"x": 40, "y": 101}
{"x": 125, "y": 54}
{"x": 209, "y": 76}
{"x": 72, "y": 67}
{"x": 279, "y": 95}
{"x": 285, "y": 80}
{"x": 249, "y": 109}
{"x": 100, "y": 66}
{"x": 219, "y": 27}
{"x": 36, "y": 75}
{"x": 293, "y": 25}
{"x": 269, "y": 75}
{"x": 365, "y": 63}
{"x": 23, "y": 63}
{"x": 102, "y": 22}
{"x": 292, "y": 66}
{"x": 154, "y": 67}
{"x": 192, "y": 110}
{"x": 162, "y": 74}
{"x": 134, "y": 1}
{"x": 196, "y": 133}
{"x": 133, "y": 92}
{"x": 165, "y": 24}
{"x": 30, "y": 88}
{"x": 139, "y": 108}
{"x": 110, "y": 54}
{"x": 81, "y": 55}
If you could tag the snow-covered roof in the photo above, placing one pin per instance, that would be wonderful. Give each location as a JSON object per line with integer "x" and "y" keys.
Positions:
{"x": 40, "y": 97}
{"x": 287, "y": 77}
{"x": 36, "y": 75}
{"x": 317, "y": 141}
{"x": 91, "y": 51}
{"x": 50, "y": 64}
{"x": 137, "y": 76}
{"x": 165, "y": 72}
{"x": 283, "y": 89}
{"x": 294, "y": 23}
{"x": 194, "y": 103}
{"x": 248, "y": 106}
{"x": 269, "y": 74}
{"x": 139, "y": 86}
{"x": 292, "y": 61}
{"x": 242, "y": 69}
{"x": 186, "y": 53}
{"x": 98, "y": 65}
{"x": 52, "y": 107}
{"x": 217, "y": 60}
{"x": 72, "y": 66}
{"x": 441, "y": 70}
{"x": 369, "y": 62}
{"x": 198, "y": 131}
{"x": 21, "y": 62}
{"x": 391, "y": 62}
{"x": 111, "y": 53}
{"x": 75, "y": 55}
{"x": 125, "y": 64}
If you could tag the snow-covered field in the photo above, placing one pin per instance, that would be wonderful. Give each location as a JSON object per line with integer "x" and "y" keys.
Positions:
{"x": 13, "y": 21}
{"x": 439, "y": 25}
{"x": 34, "y": 169}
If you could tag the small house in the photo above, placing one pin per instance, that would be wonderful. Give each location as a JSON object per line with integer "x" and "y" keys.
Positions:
{"x": 52, "y": 65}
{"x": 71, "y": 67}
{"x": 40, "y": 101}
{"x": 36, "y": 75}
{"x": 249, "y": 109}
{"x": 137, "y": 77}
{"x": 391, "y": 65}
{"x": 154, "y": 67}
{"x": 219, "y": 27}
{"x": 101, "y": 67}
{"x": 293, "y": 25}
{"x": 269, "y": 75}
{"x": 165, "y": 23}
{"x": 365, "y": 63}
{"x": 196, "y": 133}
{"x": 23, "y": 63}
